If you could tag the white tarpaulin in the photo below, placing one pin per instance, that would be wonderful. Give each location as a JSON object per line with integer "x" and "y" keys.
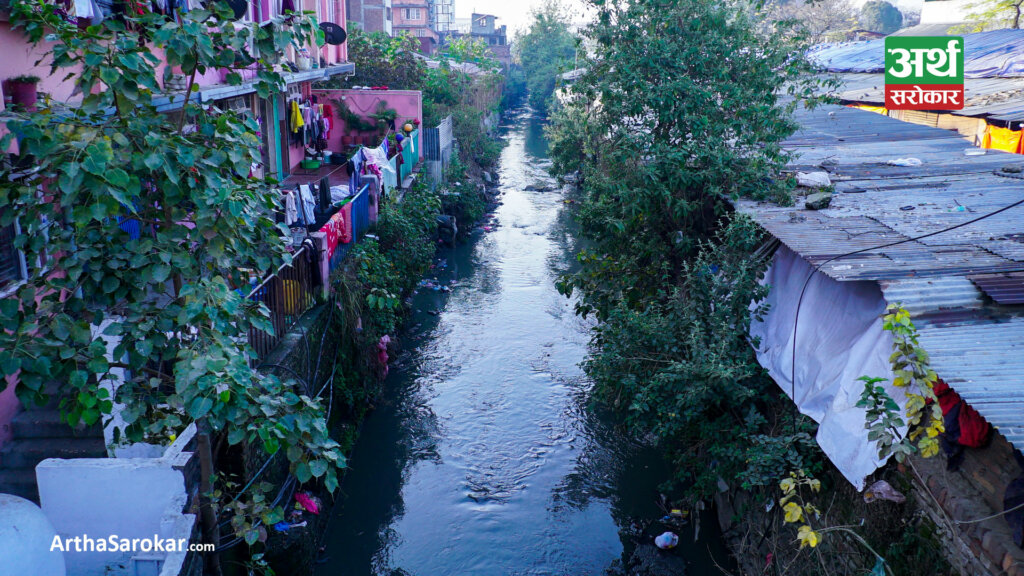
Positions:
{"x": 839, "y": 339}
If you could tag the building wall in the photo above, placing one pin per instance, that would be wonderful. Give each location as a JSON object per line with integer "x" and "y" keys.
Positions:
{"x": 974, "y": 491}
{"x": 20, "y": 58}
{"x": 371, "y": 15}
{"x": 408, "y": 104}
{"x": 413, "y": 17}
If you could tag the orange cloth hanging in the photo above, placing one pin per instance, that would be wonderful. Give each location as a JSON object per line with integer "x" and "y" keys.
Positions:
{"x": 1004, "y": 139}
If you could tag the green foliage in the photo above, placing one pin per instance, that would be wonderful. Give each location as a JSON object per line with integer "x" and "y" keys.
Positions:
{"x": 159, "y": 316}
{"x": 546, "y": 50}
{"x": 910, "y": 365}
{"x": 388, "y": 270}
{"x": 662, "y": 129}
{"x": 683, "y": 371}
{"x": 382, "y": 60}
{"x": 473, "y": 50}
{"x": 991, "y": 15}
{"x": 881, "y": 16}
{"x": 461, "y": 198}
{"x": 677, "y": 129}
{"x": 882, "y": 418}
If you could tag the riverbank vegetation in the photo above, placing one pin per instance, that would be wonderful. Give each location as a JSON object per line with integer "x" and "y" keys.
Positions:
{"x": 669, "y": 271}
{"x": 466, "y": 84}
{"x": 545, "y": 51}
{"x": 660, "y": 132}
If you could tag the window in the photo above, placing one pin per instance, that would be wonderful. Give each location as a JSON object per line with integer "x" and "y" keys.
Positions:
{"x": 412, "y": 13}
{"x": 12, "y": 262}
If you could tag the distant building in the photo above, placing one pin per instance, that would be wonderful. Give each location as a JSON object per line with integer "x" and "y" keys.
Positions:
{"x": 442, "y": 15}
{"x": 483, "y": 27}
{"x": 412, "y": 17}
{"x": 371, "y": 15}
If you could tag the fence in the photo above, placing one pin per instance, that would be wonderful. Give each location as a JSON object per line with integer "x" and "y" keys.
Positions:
{"x": 287, "y": 294}
{"x": 410, "y": 155}
{"x": 438, "y": 144}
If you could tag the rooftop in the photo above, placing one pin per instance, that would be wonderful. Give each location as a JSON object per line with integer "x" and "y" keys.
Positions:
{"x": 963, "y": 287}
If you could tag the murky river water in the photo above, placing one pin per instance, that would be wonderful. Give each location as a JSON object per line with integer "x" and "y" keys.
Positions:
{"x": 482, "y": 457}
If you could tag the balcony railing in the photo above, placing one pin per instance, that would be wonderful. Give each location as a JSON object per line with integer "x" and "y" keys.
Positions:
{"x": 288, "y": 294}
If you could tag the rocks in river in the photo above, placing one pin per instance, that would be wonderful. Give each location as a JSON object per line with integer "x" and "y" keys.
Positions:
{"x": 540, "y": 187}
{"x": 647, "y": 560}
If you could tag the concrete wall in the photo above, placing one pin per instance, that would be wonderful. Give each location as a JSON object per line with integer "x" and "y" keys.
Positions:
{"x": 408, "y": 104}
{"x": 126, "y": 497}
{"x": 371, "y": 15}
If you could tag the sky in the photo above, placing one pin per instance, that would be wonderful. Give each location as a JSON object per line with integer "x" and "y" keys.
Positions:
{"x": 516, "y": 13}
{"x": 513, "y": 13}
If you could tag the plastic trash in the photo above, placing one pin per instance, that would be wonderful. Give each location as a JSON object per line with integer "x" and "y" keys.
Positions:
{"x": 813, "y": 179}
{"x": 666, "y": 541}
{"x": 308, "y": 503}
{"x": 905, "y": 162}
{"x": 882, "y": 490}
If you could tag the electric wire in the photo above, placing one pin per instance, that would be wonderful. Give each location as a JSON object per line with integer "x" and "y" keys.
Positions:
{"x": 817, "y": 268}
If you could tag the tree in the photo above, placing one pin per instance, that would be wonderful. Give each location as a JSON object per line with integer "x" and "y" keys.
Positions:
{"x": 822, "y": 20}
{"x": 993, "y": 14}
{"x": 545, "y": 51}
{"x": 881, "y": 16}
{"x": 681, "y": 107}
{"x": 155, "y": 322}
{"x": 382, "y": 60}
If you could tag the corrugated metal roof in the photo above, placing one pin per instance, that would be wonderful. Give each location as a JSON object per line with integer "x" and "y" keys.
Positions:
{"x": 976, "y": 344}
{"x": 993, "y": 54}
{"x": 1004, "y": 287}
{"x": 998, "y": 98}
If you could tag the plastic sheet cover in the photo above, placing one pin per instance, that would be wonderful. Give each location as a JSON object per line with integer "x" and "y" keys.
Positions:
{"x": 839, "y": 339}
{"x": 992, "y": 54}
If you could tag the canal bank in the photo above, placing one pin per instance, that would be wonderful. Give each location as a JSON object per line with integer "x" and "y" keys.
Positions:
{"x": 483, "y": 456}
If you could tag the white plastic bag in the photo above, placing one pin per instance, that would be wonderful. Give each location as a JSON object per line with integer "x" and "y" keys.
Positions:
{"x": 813, "y": 179}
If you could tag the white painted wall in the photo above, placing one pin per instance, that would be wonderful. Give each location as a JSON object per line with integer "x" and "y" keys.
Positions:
{"x": 126, "y": 497}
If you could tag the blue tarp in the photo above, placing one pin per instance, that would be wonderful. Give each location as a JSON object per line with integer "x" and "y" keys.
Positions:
{"x": 994, "y": 54}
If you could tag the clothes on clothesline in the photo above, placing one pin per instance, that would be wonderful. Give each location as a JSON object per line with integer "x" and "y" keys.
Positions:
{"x": 307, "y": 206}
{"x": 291, "y": 208}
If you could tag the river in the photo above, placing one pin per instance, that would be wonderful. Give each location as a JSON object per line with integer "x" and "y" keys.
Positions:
{"x": 483, "y": 456}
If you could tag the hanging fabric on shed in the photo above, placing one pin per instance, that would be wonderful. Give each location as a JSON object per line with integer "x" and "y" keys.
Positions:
{"x": 1004, "y": 139}
{"x": 839, "y": 339}
{"x": 964, "y": 426}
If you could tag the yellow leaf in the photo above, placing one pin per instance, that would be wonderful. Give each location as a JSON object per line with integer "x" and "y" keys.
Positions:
{"x": 929, "y": 447}
{"x": 807, "y": 537}
{"x": 793, "y": 512}
{"x": 787, "y": 485}
{"x": 816, "y": 485}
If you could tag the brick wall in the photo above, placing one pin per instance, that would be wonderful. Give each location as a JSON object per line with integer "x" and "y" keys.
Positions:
{"x": 955, "y": 499}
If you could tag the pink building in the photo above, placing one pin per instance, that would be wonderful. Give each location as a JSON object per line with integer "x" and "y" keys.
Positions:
{"x": 413, "y": 17}
{"x": 281, "y": 155}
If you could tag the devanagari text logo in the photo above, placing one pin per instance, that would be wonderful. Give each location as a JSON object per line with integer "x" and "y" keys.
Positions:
{"x": 924, "y": 73}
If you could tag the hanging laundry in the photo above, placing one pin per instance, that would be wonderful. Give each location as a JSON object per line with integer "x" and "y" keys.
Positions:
{"x": 964, "y": 426}
{"x": 296, "y": 120}
{"x": 378, "y": 157}
{"x": 307, "y": 205}
{"x": 291, "y": 209}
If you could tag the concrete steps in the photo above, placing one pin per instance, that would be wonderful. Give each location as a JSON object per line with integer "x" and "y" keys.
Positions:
{"x": 48, "y": 424}
{"x": 38, "y": 434}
